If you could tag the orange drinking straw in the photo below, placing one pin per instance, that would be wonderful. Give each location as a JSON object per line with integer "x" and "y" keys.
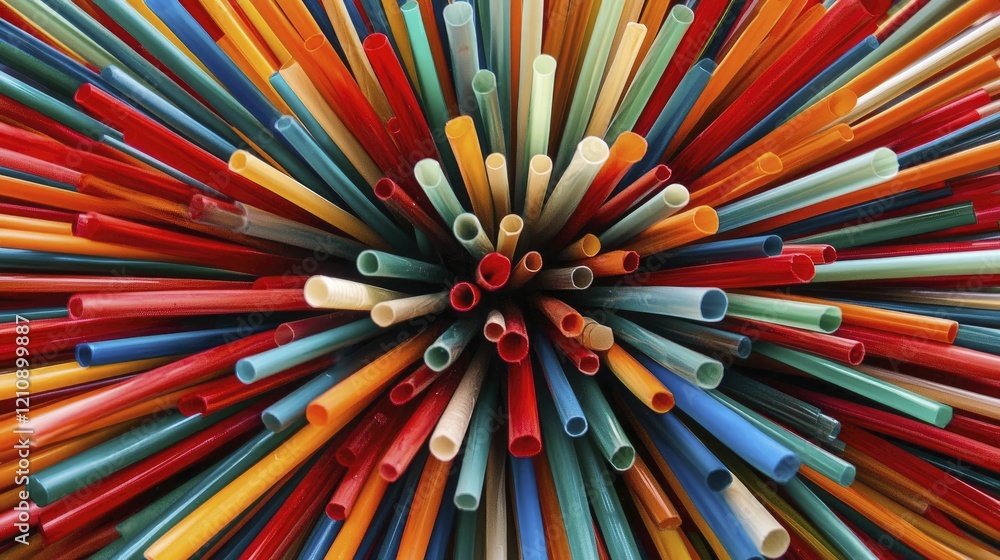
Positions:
{"x": 745, "y": 181}
{"x": 816, "y": 149}
{"x": 883, "y": 517}
{"x": 53, "y": 197}
{"x": 643, "y": 384}
{"x": 675, "y": 231}
{"x": 556, "y": 542}
{"x": 353, "y": 531}
{"x": 907, "y": 324}
{"x": 35, "y": 225}
{"x": 52, "y": 243}
{"x": 653, "y": 501}
{"x": 68, "y": 374}
{"x": 260, "y": 25}
{"x": 336, "y": 407}
{"x": 461, "y": 132}
{"x": 424, "y": 509}
{"x": 667, "y": 541}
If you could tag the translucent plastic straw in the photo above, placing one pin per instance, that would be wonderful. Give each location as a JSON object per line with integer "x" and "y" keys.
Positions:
{"x": 809, "y": 316}
{"x": 696, "y": 368}
{"x": 535, "y": 141}
{"x": 589, "y": 156}
{"x": 700, "y": 304}
{"x": 460, "y": 24}
{"x": 432, "y": 97}
{"x": 615, "y": 78}
{"x": 484, "y": 85}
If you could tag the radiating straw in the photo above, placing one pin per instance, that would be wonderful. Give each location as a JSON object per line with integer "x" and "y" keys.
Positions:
{"x": 615, "y": 528}
{"x": 615, "y": 78}
{"x": 511, "y": 227}
{"x": 477, "y": 447}
{"x": 535, "y": 141}
{"x": 497, "y": 173}
{"x": 461, "y": 133}
{"x": 470, "y": 234}
{"x": 800, "y": 315}
{"x": 431, "y": 96}
{"x": 662, "y": 205}
{"x": 607, "y": 432}
{"x": 432, "y": 179}
{"x": 590, "y": 155}
{"x": 484, "y": 85}
{"x": 696, "y": 368}
{"x": 391, "y": 312}
{"x": 449, "y": 346}
{"x": 532, "y": 19}
{"x": 336, "y": 293}
{"x": 539, "y": 173}
{"x": 461, "y": 28}
{"x": 570, "y": 414}
{"x": 700, "y": 304}
{"x": 572, "y": 278}
{"x": 386, "y": 265}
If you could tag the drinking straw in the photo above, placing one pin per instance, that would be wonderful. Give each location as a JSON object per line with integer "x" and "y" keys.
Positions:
{"x": 512, "y": 345}
{"x": 386, "y": 66}
{"x": 496, "y": 171}
{"x": 724, "y": 251}
{"x": 565, "y": 318}
{"x": 953, "y": 396}
{"x": 496, "y": 504}
{"x": 571, "y": 415}
{"x": 386, "y": 265}
{"x": 461, "y": 29}
{"x": 611, "y": 263}
{"x": 493, "y": 272}
{"x": 450, "y": 345}
{"x": 181, "y": 303}
{"x": 585, "y": 247}
{"x": 525, "y": 269}
{"x": 591, "y": 153}
{"x": 389, "y": 517}
{"x": 432, "y": 179}
{"x": 473, "y": 470}
{"x": 699, "y": 304}
{"x": 427, "y": 498}
{"x": 535, "y": 139}
{"x": 494, "y": 326}
{"x": 408, "y": 210}
{"x": 607, "y": 508}
{"x": 569, "y": 484}
{"x": 524, "y": 431}
{"x": 352, "y": 531}
{"x": 607, "y": 433}
{"x": 820, "y": 254}
{"x": 469, "y": 231}
{"x": 484, "y": 86}
{"x": 796, "y": 314}
{"x": 835, "y": 348}
{"x": 625, "y": 198}
{"x": 676, "y": 231}
{"x": 464, "y": 296}
{"x": 571, "y": 278}
{"x": 755, "y": 448}
{"x": 662, "y": 205}
{"x": 67, "y": 374}
{"x": 24, "y": 93}
{"x": 403, "y": 448}
{"x": 265, "y": 364}
{"x": 690, "y": 365}
{"x": 650, "y": 498}
{"x": 719, "y": 343}
{"x": 511, "y": 227}
{"x": 461, "y": 133}
{"x": 826, "y": 521}
{"x": 337, "y": 293}
{"x": 615, "y": 77}
{"x": 638, "y": 379}
{"x": 893, "y": 228}
{"x": 153, "y": 346}
{"x": 771, "y": 271}
{"x": 440, "y": 541}
{"x": 388, "y": 313}
{"x": 531, "y": 532}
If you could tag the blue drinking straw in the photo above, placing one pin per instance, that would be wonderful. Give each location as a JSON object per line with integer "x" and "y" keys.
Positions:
{"x": 394, "y": 533}
{"x": 20, "y": 259}
{"x": 571, "y": 415}
{"x": 320, "y": 539}
{"x": 440, "y": 541}
{"x": 978, "y": 338}
{"x": 155, "y": 346}
{"x": 720, "y": 251}
{"x": 383, "y": 513}
{"x": 530, "y": 528}
{"x": 762, "y": 452}
{"x": 946, "y": 144}
{"x": 713, "y": 474}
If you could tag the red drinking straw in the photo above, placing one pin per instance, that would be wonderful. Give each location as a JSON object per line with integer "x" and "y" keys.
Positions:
{"x": 280, "y": 282}
{"x": 66, "y": 284}
{"x": 16, "y": 112}
{"x": 820, "y": 254}
{"x": 957, "y": 360}
{"x": 513, "y": 343}
{"x": 37, "y": 213}
{"x": 524, "y": 432}
{"x": 48, "y": 427}
{"x": 565, "y": 318}
{"x": 422, "y": 378}
{"x": 771, "y": 271}
{"x": 918, "y": 249}
{"x": 185, "y": 303}
{"x": 834, "y": 348}
{"x": 103, "y": 497}
{"x": 295, "y": 330}
{"x": 401, "y": 204}
{"x": 464, "y": 296}
{"x": 194, "y": 249}
{"x": 347, "y": 492}
{"x": 613, "y": 209}
{"x": 228, "y": 390}
{"x": 20, "y": 161}
{"x": 583, "y": 358}
{"x": 899, "y": 18}
{"x": 367, "y": 429}
{"x": 414, "y": 433}
{"x": 912, "y": 431}
{"x": 493, "y": 272}
{"x": 975, "y": 428}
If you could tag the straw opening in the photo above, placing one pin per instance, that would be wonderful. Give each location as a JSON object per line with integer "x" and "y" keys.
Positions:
{"x": 713, "y": 305}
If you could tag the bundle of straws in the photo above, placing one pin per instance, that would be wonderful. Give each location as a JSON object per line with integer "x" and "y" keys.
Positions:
{"x": 570, "y": 279}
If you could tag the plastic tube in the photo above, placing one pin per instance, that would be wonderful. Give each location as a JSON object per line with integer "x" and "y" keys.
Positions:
{"x": 690, "y": 365}
{"x": 836, "y": 348}
{"x": 391, "y": 312}
{"x": 461, "y": 133}
{"x": 567, "y": 406}
{"x": 565, "y": 318}
{"x": 572, "y": 278}
{"x": 524, "y": 430}
{"x": 700, "y": 304}
{"x": 627, "y": 197}
{"x": 583, "y": 358}
{"x": 185, "y": 302}
{"x": 590, "y": 155}
{"x": 264, "y": 364}
{"x": 650, "y": 497}
{"x": 211, "y": 397}
{"x": 608, "y": 435}
{"x": 497, "y": 173}
{"x": 432, "y": 179}
{"x": 470, "y": 233}
{"x": 536, "y": 140}
{"x": 531, "y": 533}
{"x": 615, "y": 529}
{"x": 525, "y": 269}
{"x": 719, "y": 343}
{"x": 336, "y": 293}
{"x": 464, "y": 296}
{"x": 615, "y": 77}
{"x": 800, "y": 315}
{"x": 477, "y": 447}
{"x": 724, "y": 251}
{"x": 387, "y": 265}
{"x": 511, "y": 227}
{"x": 539, "y": 173}
{"x": 661, "y": 206}
{"x": 493, "y": 272}
{"x": 894, "y": 228}
{"x": 638, "y": 379}
{"x": 461, "y": 29}
{"x": 154, "y": 346}
{"x": 450, "y": 345}
{"x": 772, "y": 271}
{"x": 403, "y": 448}
{"x": 512, "y": 346}
{"x": 484, "y": 85}
{"x": 675, "y": 231}
{"x": 826, "y": 521}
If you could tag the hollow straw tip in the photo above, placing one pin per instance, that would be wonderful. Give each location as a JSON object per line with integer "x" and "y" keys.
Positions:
{"x": 524, "y": 446}
{"x": 713, "y": 305}
{"x": 512, "y": 347}
{"x": 437, "y": 357}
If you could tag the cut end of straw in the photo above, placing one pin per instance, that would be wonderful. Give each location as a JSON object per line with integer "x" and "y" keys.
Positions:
{"x": 525, "y": 446}
{"x": 589, "y": 365}
{"x": 714, "y": 304}
{"x": 786, "y": 468}
{"x": 719, "y": 479}
{"x": 438, "y": 358}
{"x": 444, "y": 448}
{"x": 576, "y": 426}
{"x": 662, "y": 401}
{"x": 512, "y": 347}
{"x": 830, "y": 320}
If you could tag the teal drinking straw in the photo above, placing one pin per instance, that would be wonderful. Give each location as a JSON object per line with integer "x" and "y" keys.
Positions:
{"x": 470, "y": 233}
{"x": 660, "y": 52}
{"x": 800, "y": 415}
{"x": 913, "y": 266}
{"x": 716, "y": 341}
{"x": 661, "y": 205}
{"x": 443, "y": 352}
{"x": 588, "y": 80}
{"x": 537, "y": 133}
{"x": 9, "y": 316}
{"x": 910, "y": 225}
{"x": 615, "y": 527}
{"x": 700, "y": 304}
{"x": 432, "y": 179}
{"x": 49, "y": 76}
{"x": 890, "y": 395}
{"x": 606, "y": 431}
{"x": 257, "y": 367}
{"x": 386, "y": 265}
{"x": 569, "y": 482}
{"x": 66, "y": 33}
{"x": 76, "y": 472}
{"x": 853, "y": 175}
{"x": 459, "y": 22}
{"x": 430, "y": 87}
{"x": 19, "y": 259}
{"x": 138, "y": 522}
{"x": 983, "y": 339}
{"x": 696, "y": 368}
{"x": 830, "y": 466}
{"x": 800, "y": 315}
{"x": 498, "y": 55}
{"x": 213, "y": 480}
{"x": 484, "y": 85}
{"x": 826, "y": 521}
{"x": 483, "y": 424}
{"x": 51, "y": 107}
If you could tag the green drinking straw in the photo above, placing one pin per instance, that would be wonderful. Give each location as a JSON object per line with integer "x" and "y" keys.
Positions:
{"x": 826, "y": 521}
{"x": 912, "y": 266}
{"x": 893, "y": 396}
{"x": 48, "y": 76}
{"x": 34, "y": 313}
{"x": 696, "y": 368}
{"x": 569, "y": 482}
{"x": 853, "y": 175}
{"x": 825, "y": 463}
{"x": 603, "y": 425}
{"x": 498, "y": 54}
{"x": 461, "y": 28}
{"x": 484, "y": 422}
{"x": 800, "y": 315}
{"x": 432, "y": 179}
{"x": 430, "y": 86}
{"x": 53, "y": 108}
{"x": 895, "y": 228}
{"x": 440, "y": 355}
{"x": 470, "y": 233}
{"x": 387, "y": 265}
{"x": 660, "y": 52}
{"x": 610, "y": 516}
{"x": 465, "y": 534}
{"x": 588, "y": 80}
{"x": 109, "y": 551}
{"x": 662, "y": 205}
{"x": 139, "y": 521}
{"x": 484, "y": 85}
{"x": 76, "y": 472}
{"x": 536, "y": 138}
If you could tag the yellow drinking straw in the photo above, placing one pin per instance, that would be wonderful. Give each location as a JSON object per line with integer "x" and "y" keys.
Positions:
{"x": 615, "y": 78}
{"x": 68, "y": 374}
{"x": 464, "y": 142}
